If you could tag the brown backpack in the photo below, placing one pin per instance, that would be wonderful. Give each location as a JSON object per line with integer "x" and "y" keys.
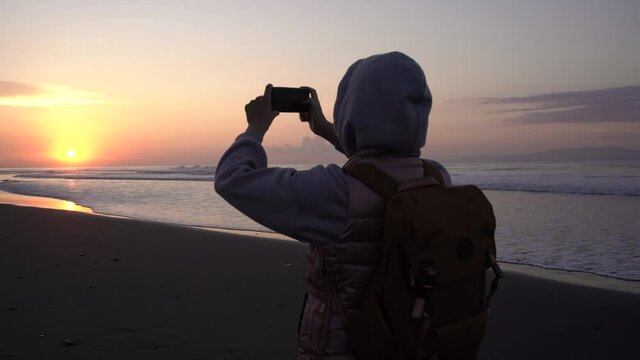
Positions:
{"x": 427, "y": 299}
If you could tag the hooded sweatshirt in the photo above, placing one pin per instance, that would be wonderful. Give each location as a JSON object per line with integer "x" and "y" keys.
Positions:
{"x": 381, "y": 109}
{"x": 380, "y": 116}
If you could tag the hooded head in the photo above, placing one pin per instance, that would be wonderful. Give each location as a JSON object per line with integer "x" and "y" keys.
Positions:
{"x": 382, "y": 106}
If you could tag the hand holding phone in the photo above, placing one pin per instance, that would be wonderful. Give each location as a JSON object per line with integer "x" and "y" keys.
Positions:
{"x": 259, "y": 112}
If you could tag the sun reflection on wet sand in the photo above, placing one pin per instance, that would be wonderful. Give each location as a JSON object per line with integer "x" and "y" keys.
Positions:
{"x": 42, "y": 202}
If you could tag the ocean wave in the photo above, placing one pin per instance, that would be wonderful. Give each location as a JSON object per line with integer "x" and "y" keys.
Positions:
{"x": 554, "y": 182}
{"x": 180, "y": 173}
{"x": 561, "y": 189}
{"x": 119, "y": 177}
{"x": 565, "y": 179}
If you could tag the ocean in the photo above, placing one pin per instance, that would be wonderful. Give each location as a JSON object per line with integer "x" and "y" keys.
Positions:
{"x": 569, "y": 216}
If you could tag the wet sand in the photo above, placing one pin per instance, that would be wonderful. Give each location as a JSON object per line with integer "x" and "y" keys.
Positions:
{"x": 83, "y": 286}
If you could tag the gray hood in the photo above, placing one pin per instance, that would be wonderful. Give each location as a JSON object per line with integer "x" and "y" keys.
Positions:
{"x": 382, "y": 106}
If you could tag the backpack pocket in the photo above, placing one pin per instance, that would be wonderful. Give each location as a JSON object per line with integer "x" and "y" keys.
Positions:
{"x": 460, "y": 339}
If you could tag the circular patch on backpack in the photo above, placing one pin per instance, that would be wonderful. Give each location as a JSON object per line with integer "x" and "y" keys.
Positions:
{"x": 465, "y": 248}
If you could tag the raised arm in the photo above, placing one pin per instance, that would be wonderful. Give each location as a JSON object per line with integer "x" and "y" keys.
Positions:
{"x": 283, "y": 199}
{"x": 318, "y": 122}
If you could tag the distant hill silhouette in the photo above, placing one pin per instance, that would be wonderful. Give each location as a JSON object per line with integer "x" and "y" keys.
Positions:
{"x": 565, "y": 155}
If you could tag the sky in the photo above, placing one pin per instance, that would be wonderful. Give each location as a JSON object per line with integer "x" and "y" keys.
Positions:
{"x": 86, "y": 83}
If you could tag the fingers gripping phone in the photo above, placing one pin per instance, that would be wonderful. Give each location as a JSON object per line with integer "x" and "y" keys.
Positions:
{"x": 284, "y": 99}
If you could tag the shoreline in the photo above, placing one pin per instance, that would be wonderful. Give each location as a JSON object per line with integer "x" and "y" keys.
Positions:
{"x": 576, "y": 277}
{"x": 579, "y": 278}
{"x": 42, "y": 202}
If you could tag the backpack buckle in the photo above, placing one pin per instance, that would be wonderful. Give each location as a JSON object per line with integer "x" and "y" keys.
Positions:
{"x": 421, "y": 279}
{"x": 494, "y": 266}
{"x": 498, "y": 274}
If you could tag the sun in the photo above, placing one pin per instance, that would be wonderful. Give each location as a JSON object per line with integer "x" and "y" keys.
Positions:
{"x": 71, "y": 154}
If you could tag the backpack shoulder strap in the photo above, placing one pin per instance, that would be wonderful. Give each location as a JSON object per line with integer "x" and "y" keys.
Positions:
{"x": 382, "y": 183}
{"x": 433, "y": 171}
{"x": 377, "y": 180}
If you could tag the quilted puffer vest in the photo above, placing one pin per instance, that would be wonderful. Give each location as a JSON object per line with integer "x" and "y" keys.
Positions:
{"x": 351, "y": 261}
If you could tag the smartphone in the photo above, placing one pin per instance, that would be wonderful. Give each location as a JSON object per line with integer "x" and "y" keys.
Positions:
{"x": 284, "y": 99}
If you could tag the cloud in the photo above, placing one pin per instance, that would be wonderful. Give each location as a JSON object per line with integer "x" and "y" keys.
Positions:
{"x": 12, "y": 88}
{"x": 312, "y": 150}
{"x": 46, "y": 95}
{"x": 610, "y": 105}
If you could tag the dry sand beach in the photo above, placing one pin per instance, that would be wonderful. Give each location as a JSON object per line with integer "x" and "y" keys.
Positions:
{"x": 83, "y": 286}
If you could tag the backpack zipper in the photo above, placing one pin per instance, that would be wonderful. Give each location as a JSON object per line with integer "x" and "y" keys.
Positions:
{"x": 333, "y": 296}
{"x": 326, "y": 320}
